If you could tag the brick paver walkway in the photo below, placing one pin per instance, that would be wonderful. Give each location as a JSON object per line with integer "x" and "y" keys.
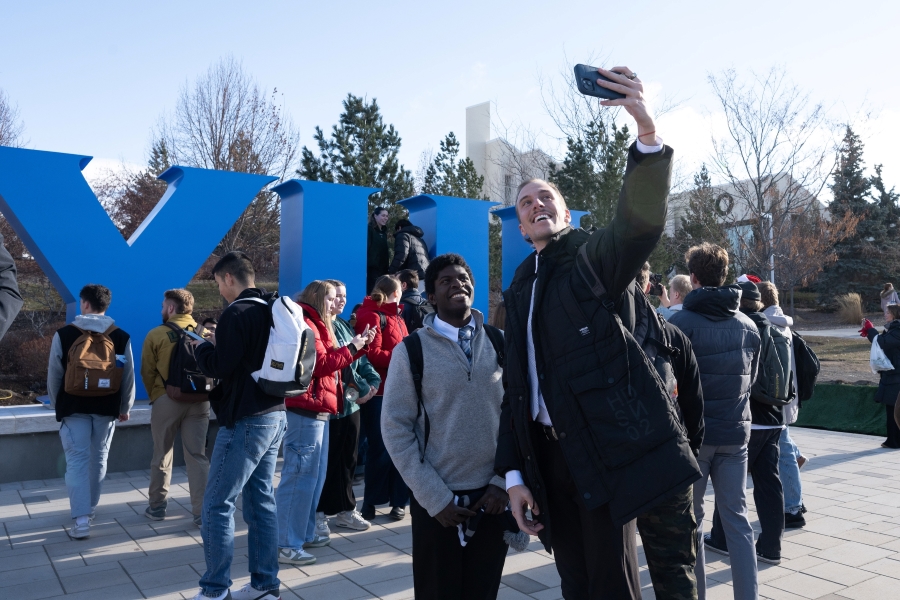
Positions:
{"x": 849, "y": 549}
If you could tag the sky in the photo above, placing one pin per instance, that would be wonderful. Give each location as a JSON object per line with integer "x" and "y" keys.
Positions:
{"x": 94, "y": 78}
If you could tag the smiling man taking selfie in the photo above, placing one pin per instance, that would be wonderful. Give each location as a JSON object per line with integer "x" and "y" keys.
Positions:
{"x": 589, "y": 437}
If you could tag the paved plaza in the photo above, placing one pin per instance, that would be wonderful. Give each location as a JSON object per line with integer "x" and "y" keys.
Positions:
{"x": 849, "y": 549}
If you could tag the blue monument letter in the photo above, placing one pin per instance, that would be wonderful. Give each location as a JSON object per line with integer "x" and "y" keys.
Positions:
{"x": 323, "y": 236}
{"x": 457, "y": 225}
{"x": 51, "y": 207}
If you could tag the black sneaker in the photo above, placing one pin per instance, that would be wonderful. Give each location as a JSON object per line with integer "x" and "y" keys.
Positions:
{"x": 771, "y": 560}
{"x": 367, "y": 512}
{"x": 707, "y": 541}
{"x": 397, "y": 513}
{"x": 794, "y": 521}
{"x": 156, "y": 514}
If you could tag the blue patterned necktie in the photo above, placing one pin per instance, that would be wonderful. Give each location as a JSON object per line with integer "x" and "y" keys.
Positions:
{"x": 465, "y": 340}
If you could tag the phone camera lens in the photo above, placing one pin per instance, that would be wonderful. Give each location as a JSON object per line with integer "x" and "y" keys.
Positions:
{"x": 587, "y": 83}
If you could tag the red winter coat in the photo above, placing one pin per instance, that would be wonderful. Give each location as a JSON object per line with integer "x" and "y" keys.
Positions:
{"x": 325, "y": 393}
{"x": 379, "y": 352}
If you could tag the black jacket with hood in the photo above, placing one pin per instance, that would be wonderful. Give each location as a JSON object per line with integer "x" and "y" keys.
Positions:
{"x": 241, "y": 339}
{"x": 410, "y": 251}
{"x": 726, "y": 344}
{"x": 618, "y": 429}
{"x": 889, "y": 382}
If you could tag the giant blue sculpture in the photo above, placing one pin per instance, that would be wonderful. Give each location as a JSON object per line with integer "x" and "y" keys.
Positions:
{"x": 56, "y": 214}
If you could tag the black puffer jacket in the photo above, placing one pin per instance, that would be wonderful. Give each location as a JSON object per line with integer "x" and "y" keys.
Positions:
{"x": 618, "y": 428}
{"x": 378, "y": 257}
{"x": 410, "y": 252}
{"x": 726, "y": 344}
{"x": 889, "y": 384}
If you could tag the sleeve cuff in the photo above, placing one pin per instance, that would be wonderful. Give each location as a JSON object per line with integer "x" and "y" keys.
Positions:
{"x": 514, "y": 478}
{"x": 645, "y": 149}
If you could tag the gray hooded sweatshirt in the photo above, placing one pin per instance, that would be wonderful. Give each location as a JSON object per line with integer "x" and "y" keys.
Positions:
{"x": 463, "y": 405}
{"x": 56, "y": 373}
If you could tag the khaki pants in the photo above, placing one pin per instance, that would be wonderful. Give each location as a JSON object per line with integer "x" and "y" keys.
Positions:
{"x": 166, "y": 418}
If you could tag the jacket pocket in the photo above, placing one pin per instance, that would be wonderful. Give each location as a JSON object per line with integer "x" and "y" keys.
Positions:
{"x": 623, "y": 426}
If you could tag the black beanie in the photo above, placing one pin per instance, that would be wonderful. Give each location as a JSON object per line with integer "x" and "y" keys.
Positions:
{"x": 749, "y": 291}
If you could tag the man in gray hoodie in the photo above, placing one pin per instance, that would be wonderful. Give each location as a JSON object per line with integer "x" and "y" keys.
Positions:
{"x": 444, "y": 449}
{"x": 88, "y": 421}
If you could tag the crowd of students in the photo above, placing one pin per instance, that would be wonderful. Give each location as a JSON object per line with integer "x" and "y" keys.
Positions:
{"x": 579, "y": 415}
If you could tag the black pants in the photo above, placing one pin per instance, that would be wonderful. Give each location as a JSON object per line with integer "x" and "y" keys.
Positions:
{"x": 768, "y": 495}
{"x": 595, "y": 558}
{"x": 383, "y": 481}
{"x": 445, "y": 570}
{"x": 893, "y": 430}
{"x": 337, "y": 493}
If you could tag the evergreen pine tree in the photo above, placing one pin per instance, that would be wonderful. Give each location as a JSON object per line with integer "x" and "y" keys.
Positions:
{"x": 865, "y": 260}
{"x": 362, "y": 150}
{"x": 590, "y": 176}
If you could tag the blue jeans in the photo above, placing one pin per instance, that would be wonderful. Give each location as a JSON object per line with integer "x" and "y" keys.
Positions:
{"x": 727, "y": 467}
{"x": 383, "y": 481}
{"x": 85, "y": 440}
{"x": 790, "y": 473}
{"x": 302, "y": 479}
{"x": 243, "y": 460}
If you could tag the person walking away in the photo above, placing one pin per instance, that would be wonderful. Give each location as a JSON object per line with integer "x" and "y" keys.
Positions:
{"x": 415, "y": 307}
{"x": 306, "y": 441}
{"x": 251, "y": 427}
{"x": 90, "y": 381}
{"x": 571, "y": 367}
{"x": 360, "y": 384}
{"x": 380, "y": 312}
{"x": 449, "y": 464}
{"x": 377, "y": 254}
{"x": 189, "y": 414}
{"x": 889, "y": 382}
{"x": 671, "y": 302}
{"x": 790, "y": 459}
{"x": 668, "y": 531}
{"x": 726, "y": 344}
{"x": 410, "y": 250}
{"x": 772, "y": 390}
{"x": 888, "y": 296}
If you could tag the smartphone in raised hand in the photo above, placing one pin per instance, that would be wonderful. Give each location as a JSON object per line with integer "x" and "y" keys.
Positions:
{"x": 586, "y": 79}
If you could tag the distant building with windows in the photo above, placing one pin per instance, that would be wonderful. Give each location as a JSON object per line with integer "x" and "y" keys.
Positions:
{"x": 502, "y": 165}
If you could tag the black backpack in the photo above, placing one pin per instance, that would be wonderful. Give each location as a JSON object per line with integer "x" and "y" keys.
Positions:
{"x": 186, "y": 383}
{"x": 807, "y": 367}
{"x": 417, "y": 366}
{"x": 414, "y": 315}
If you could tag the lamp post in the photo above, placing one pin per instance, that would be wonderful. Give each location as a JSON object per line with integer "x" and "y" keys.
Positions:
{"x": 768, "y": 217}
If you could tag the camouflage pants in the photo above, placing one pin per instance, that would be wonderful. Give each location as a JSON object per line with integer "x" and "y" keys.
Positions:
{"x": 669, "y": 536}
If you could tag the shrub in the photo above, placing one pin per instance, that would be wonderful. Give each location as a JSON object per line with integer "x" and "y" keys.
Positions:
{"x": 32, "y": 359}
{"x": 850, "y": 308}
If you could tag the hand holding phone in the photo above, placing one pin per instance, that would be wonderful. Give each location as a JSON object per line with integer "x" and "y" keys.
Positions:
{"x": 586, "y": 79}
{"x": 194, "y": 336}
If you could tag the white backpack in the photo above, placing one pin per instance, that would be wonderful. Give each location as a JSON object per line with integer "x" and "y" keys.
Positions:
{"x": 290, "y": 352}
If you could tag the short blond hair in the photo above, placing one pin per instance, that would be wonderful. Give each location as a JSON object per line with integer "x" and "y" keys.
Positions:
{"x": 681, "y": 284}
{"x": 549, "y": 184}
{"x": 768, "y": 293}
{"x": 181, "y": 299}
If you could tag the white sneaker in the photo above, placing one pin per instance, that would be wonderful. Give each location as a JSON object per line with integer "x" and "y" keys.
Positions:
{"x": 248, "y": 592}
{"x": 351, "y": 519}
{"x": 322, "y": 529}
{"x": 287, "y": 556}
{"x": 80, "y": 532}
{"x": 318, "y": 541}
{"x": 226, "y": 595}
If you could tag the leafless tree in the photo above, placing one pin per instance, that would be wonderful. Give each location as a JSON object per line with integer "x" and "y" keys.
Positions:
{"x": 11, "y": 126}
{"x": 774, "y": 161}
{"x": 224, "y": 120}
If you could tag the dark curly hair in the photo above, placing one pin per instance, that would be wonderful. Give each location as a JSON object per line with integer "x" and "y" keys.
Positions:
{"x": 97, "y": 296}
{"x": 708, "y": 263}
{"x": 439, "y": 264}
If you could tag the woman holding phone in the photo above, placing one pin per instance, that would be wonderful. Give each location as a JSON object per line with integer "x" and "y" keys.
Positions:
{"x": 381, "y": 311}
{"x": 306, "y": 440}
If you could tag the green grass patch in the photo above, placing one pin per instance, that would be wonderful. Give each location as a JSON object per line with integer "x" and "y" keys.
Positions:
{"x": 206, "y": 294}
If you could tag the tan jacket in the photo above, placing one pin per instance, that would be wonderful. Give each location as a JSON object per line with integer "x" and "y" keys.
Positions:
{"x": 157, "y": 353}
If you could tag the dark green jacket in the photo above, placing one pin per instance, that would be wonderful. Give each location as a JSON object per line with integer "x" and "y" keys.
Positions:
{"x": 364, "y": 374}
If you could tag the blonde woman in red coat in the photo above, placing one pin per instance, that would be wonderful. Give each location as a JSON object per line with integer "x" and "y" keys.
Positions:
{"x": 306, "y": 440}
{"x": 381, "y": 311}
